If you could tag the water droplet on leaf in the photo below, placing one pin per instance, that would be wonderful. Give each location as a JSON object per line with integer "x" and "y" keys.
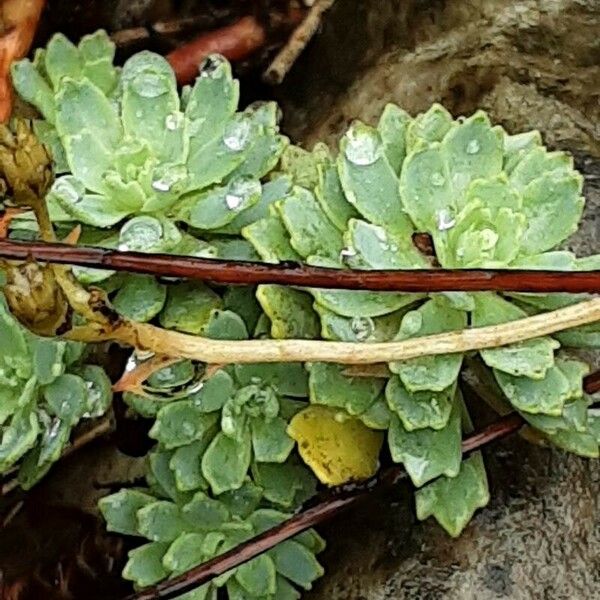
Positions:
{"x": 362, "y": 147}
{"x": 362, "y": 327}
{"x": 473, "y": 147}
{"x": 237, "y": 134}
{"x": 445, "y": 220}
{"x": 438, "y": 179}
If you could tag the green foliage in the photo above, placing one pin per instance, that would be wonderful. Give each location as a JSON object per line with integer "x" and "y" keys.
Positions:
{"x": 45, "y": 391}
{"x": 146, "y": 169}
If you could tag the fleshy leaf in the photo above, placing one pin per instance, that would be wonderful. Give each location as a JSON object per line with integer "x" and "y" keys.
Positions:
{"x": 189, "y": 307}
{"x": 330, "y": 387}
{"x": 61, "y": 59}
{"x": 66, "y": 398}
{"x": 454, "y": 500}
{"x": 531, "y": 358}
{"x": 120, "y": 510}
{"x": 311, "y": 232}
{"x": 226, "y": 462}
{"x": 160, "y": 521}
{"x": 257, "y": 577}
{"x": 350, "y": 303}
{"x": 289, "y": 484}
{"x": 434, "y": 373}
{"x": 33, "y": 88}
{"x": 271, "y": 240}
{"x": 392, "y": 127}
{"x": 296, "y": 563}
{"x": 180, "y": 423}
{"x": 290, "y": 312}
{"x": 288, "y": 379}
{"x": 270, "y": 441}
{"x": 186, "y": 465}
{"x": 369, "y": 181}
{"x": 419, "y": 410}
{"x": 430, "y": 126}
{"x": 426, "y": 453}
{"x": 144, "y": 566}
{"x": 140, "y": 298}
{"x": 338, "y": 448}
{"x": 330, "y": 195}
{"x": 547, "y": 395}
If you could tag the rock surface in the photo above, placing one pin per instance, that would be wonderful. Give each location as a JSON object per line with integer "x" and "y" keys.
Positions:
{"x": 523, "y": 62}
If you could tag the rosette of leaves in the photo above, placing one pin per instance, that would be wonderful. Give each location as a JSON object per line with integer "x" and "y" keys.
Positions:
{"x": 146, "y": 169}
{"x": 46, "y": 389}
{"x": 487, "y": 199}
{"x": 185, "y": 529}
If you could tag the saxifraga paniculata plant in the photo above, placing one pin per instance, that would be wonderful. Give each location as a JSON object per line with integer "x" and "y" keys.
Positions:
{"x": 147, "y": 170}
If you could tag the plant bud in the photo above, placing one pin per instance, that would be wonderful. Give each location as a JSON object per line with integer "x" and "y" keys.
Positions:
{"x": 35, "y": 298}
{"x": 25, "y": 164}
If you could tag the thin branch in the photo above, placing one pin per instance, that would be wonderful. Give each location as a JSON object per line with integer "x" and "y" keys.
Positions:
{"x": 337, "y": 500}
{"x": 288, "y": 55}
{"x": 248, "y": 273}
{"x": 173, "y": 343}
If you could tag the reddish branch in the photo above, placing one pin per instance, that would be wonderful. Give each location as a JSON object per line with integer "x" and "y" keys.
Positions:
{"x": 18, "y": 22}
{"x": 336, "y": 501}
{"x": 235, "y": 42}
{"x": 231, "y": 272}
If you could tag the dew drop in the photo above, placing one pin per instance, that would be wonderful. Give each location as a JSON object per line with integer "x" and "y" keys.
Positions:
{"x": 445, "y": 220}
{"x": 362, "y": 147}
{"x": 174, "y": 121}
{"x": 438, "y": 179}
{"x": 188, "y": 428}
{"x": 150, "y": 85}
{"x": 347, "y": 253}
{"x": 237, "y": 134}
{"x": 213, "y": 66}
{"x": 233, "y": 201}
{"x": 160, "y": 185}
{"x": 362, "y": 327}
{"x": 473, "y": 147}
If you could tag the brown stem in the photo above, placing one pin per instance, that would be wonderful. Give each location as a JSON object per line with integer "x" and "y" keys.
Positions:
{"x": 235, "y": 42}
{"x": 336, "y": 501}
{"x": 591, "y": 383}
{"x": 231, "y": 272}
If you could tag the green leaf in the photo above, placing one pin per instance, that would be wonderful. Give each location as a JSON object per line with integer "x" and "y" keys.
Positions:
{"x": 149, "y": 234}
{"x": 373, "y": 247}
{"x": 140, "y": 298}
{"x": 559, "y": 260}
{"x": 90, "y": 129}
{"x": 359, "y": 329}
{"x": 48, "y": 359}
{"x": 582, "y": 444}
{"x": 47, "y": 134}
{"x": 289, "y": 484}
{"x": 120, "y": 510}
{"x": 547, "y": 395}
{"x": 226, "y": 462}
{"x": 330, "y": 195}
{"x": 300, "y": 165}
{"x": 427, "y": 453}
{"x": 242, "y": 301}
{"x": 550, "y": 195}
{"x": 377, "y": 416}
{"x": 330, "y": 387}
{"x": 211, "y": 162}
{"x": 204, "y": 513}
{"x": 472, "y": 150}
{"x": 184, "y": 553}
{"x": 427, "y": 127}
{"x": 160, "y": 521}
{"x": 518, "y": 146}
{"x": 392, "y": 127}
{"x": 99, "y": 390}
{"x": 186, "y": 465}
{"x": 537, "y": 163}
{"x": 161, "y": 478}
{"x": 243, "y": 501}
{"x": 350, "y": 303}
{"x": 434, "y": 373}
{"x": 288, "y": 379}
{"x": 290, "y": 312}
{"x": 369, "y": 181}
{"x": 531, "y": 358}
{"x": 311, "y": 232}
{"x": 66, "y": 398}
{"x": 586, "y": 336}
{"x": 97, "y": 51}
{"x": 180, "y": 423}
{"x": 419, "y": 410}
{"x": 453, "y": 501}
{"x": 217, "y": 389}
{"x": 90, "y": 209}
{"x": 61, "y": 60}
{"x": 144, "y": 566}
{"x": 19, "y": 437}
{"x": 226, "y": 325}
{"x": 219, "y": 206}
{"x": 296, "y": 563}
{"x": 189, "y": 307}
{"x": 150, "y": 106}
{"x": 33, "y": 88}
{"x": 212, "y": 100}
{"x": 270, "y": 441}
{"x": 270, "y": 239}
{"x": 257, "y": 576}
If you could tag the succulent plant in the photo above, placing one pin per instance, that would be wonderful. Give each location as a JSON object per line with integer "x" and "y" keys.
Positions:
{"x": 46, "y": 389}
{"x": 185, "y": 529}
{"x": 147, "y": 169}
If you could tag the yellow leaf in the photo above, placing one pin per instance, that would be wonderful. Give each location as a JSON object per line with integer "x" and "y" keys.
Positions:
{"x": 337, "y": 447}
